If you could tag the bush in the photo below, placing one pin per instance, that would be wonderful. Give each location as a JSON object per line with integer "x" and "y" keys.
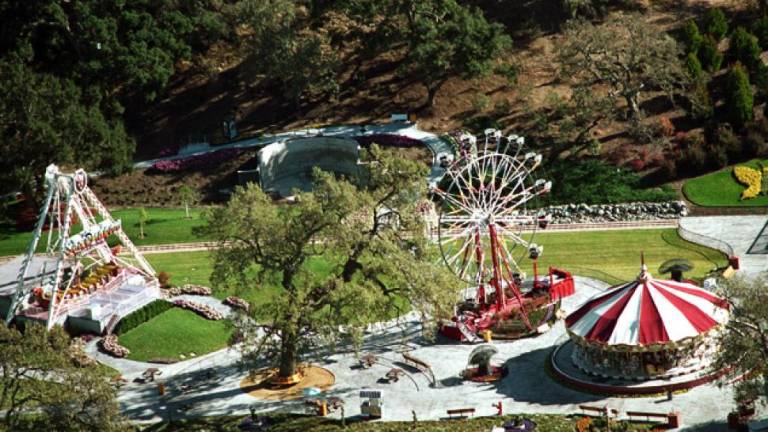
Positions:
{"x": 693, "y": 65}
{"x": 694, "y": 159}
{"x": 760, "y": 30}
{"x": 164, "y": 278}
{"x": 142, "y": 315}
{"x": 715, "y": 23}
{"x": 710, "y": 57}
{"x": 668, "y": 169}
{"x": 755, "y": 145}
{"x": 739, "y": 100}
{"x": 701, "y": 104}
{"x": 196, "y": 163}
{"x": 691, "y": 37}
{"x": 722, "y": 139}
{"x": 593, "y": 181}
{"x": 745, "y": 49}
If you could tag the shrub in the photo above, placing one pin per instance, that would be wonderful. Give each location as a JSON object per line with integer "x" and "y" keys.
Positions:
{"x": 754, "y": 145}
{"x": 637, "y": 164}
{"x": 745, "y": 49}
{"x": 691, "y": 37}
{"x": 164, "y": 278}
{"x": 694, "y": 160}
{"x": 739, "y": 100}
{"x": 666, "y": 127}
{"x": 481, "y": 102}
{"x": 142, "y": 315}
{"x": 701, "y": 104}
{"x": 760, "y": 30}
{"x": 196, "y": 162}
{"x": 715, "y": 23}
{"x": 710, "y": 57}
{"x": 693, "y": 66}
{"x": 593, "y": 181}
{"x": 668, "y": 169}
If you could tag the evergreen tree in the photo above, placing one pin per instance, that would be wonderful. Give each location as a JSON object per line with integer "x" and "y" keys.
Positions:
{"x": 693, "y": 65}
{"x": 760, "y": 30}
{"x": 710, "y": 57}
{"x": 692, "y": 37}
{"x": 739, "y": 99}
{"x": 745, "y": 49}
{"x": 715, "y": 23}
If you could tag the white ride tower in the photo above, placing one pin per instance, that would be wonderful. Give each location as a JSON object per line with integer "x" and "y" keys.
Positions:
{"x": 88, "y": 279}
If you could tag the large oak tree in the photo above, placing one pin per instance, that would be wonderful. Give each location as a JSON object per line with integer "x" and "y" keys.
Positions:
{"x": 368, "y": 235}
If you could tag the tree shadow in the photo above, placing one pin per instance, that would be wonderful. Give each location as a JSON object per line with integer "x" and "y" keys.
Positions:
{"x": 529, "y": 381}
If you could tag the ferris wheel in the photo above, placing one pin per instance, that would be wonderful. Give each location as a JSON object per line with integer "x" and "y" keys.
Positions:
{"x": 485, "y": 228}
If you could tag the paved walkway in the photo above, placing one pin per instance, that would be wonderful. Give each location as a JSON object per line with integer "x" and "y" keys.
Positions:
{"x": 737, "y": 232}
{"x": 209, "y": 385}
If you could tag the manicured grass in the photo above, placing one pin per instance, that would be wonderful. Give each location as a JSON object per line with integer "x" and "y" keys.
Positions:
{"x": 164, "y": 226}
{"x": 721, "y": 189}
{"x": 614, "y": 256}
{"x": 175, "y": 332}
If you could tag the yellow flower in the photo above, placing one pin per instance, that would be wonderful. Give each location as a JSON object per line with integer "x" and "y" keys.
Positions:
{"x": 751, "y": 178}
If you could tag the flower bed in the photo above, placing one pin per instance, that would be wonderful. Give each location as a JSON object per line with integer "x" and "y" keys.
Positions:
{"x": 389, "y": 140}
{"x": 752, "y": 178}
{"x": 204, "y": 311}
{"x": 237, "y": 303}
{"x": 189, "y": 289}
{"x": 196, "y": 162}
{"x": 112, "y": 347}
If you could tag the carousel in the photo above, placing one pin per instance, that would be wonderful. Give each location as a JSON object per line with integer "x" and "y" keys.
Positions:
{"x": 647, "y": 329}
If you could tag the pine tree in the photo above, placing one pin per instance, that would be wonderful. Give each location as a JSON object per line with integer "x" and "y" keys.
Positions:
{"x": 715, "y": 23}
{"x": 711, "y": 59}
{"x": 739, "y": 99}
{"x": 692, "y": 37}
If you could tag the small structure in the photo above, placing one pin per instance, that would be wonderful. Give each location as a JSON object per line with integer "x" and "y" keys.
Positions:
{"x": 647, "y": 329}
{"x": 372, "y": 404}
{"x": 479, "y": 366}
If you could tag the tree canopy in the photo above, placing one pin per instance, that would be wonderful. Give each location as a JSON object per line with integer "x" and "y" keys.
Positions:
{"x": 371, "y": 238}
{"x": 627, "y": 54}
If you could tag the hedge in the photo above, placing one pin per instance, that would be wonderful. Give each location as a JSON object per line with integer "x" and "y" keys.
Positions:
{"x": 142, "y": 315}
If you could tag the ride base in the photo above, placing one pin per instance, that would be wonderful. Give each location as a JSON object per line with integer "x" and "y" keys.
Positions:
{"x": 536, "y": 294}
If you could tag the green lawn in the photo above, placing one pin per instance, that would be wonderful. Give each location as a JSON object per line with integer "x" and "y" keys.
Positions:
{"x": 164, "y": 226}
{"x": 614, "y": 256}
{"x": 174, "y": 332}
{"x": 721, "y": 189}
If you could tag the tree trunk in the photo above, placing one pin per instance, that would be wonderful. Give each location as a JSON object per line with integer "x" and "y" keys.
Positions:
{"x": 288, "y": 353}
{"x": 633, "y": 105}
{"x": 186, "y": 209}
{"x": 432, "y": 89}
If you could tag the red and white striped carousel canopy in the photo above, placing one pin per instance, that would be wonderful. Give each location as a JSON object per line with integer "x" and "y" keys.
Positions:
{"x": 648, "y": 311}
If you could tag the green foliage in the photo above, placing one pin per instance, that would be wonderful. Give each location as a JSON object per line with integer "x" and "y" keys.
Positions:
{"x": 372, "y": 264}
{"x": 136, "y": 318}
{"x": 45, "y": 120}
{"x": 739, "y": 99}
{"x": 744, "y": 48}
{"x": 701, "y": 104}
{"x": 743, "y": 346}
{"x": 80, "y": 399}
{"x": 760, "y": 30}
{"x": 303, "y": 62}
{"x": 588, "y": 9}
{"x": 188, "y": 196}
{"x": 709, "y": 55}
{"x": 715, "y": 23}
{"x": 595, "y": 182}
{"x": 446, "y": 38}
{"x": 692, "y": 38}
{"x": 693, "y": 66}
{"x": 143, "y": 218}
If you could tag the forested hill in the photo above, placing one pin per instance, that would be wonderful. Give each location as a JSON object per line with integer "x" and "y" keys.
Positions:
{"x": 668, "y": 89}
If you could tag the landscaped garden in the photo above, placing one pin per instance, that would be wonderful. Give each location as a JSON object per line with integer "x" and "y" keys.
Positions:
{"x": 722, "y": 189}
{"x": 174, "y": 333}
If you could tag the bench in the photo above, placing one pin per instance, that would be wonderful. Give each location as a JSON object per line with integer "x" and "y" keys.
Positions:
{"x": 413, "y": 361}
{"x": 599, "y": 411}
{"x": 461, "y": 412}
{"x": 648, "y": 416}
{"x": 420, "y": 365}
